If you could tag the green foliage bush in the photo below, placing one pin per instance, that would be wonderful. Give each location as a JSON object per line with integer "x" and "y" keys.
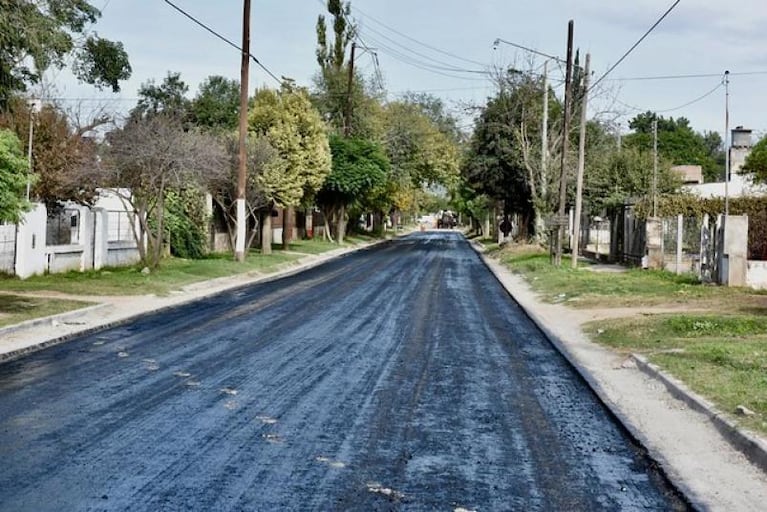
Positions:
{"x": 185, "y": 219}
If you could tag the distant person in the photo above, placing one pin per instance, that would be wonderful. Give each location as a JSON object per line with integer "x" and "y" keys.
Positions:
{"x": 506, "y": 227}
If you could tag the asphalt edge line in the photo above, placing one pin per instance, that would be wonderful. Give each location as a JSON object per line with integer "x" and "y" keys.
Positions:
{"x": 686, "y": 493}
{"x": 314, "y": 260}
{"x": 754, "y": 449}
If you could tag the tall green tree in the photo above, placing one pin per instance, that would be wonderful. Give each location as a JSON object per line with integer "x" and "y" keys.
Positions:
{"x": 615, "y": 176}
{"x": 677, "y": 142}
{"x": 167, "y": 98}
{"x": 420, "y": 153}
{"x": 434, "y": 108}
{"x": 505, "y": 152}
{"x": 351, "y": 111}
{"x": 294, "y": 128}
{"x": 756, "y": 161}
{"x": 359, "y": 167}
{"x": 38, "y": 35}
{"x": 217, "y": 104}
{"x": 13, "y": 178}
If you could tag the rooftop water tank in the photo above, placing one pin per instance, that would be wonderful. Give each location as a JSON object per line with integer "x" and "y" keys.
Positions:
{"x": 741, "y": 138}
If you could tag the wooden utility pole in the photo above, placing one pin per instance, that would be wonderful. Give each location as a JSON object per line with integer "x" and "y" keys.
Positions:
{"x": 581, "y": 164}
{"x": 349, "y": 101}
{"x": 565, "y": 144}
{"x": 242, "y": 176}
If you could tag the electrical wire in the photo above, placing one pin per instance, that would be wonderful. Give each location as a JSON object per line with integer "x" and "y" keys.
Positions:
{"x": 525, "y": 48}
{"x": 653, "y": 27}
{"x": 679, "y": 77}
{"x": 227, "y": 41}
{"x": 680, "y": 107}
{"x": 406, "y": 59}
{"x": 448, "y": 66}
{"x": 420, "y": 64}
{"x": 425, "y": 45}
{"x": 424, "y": 66}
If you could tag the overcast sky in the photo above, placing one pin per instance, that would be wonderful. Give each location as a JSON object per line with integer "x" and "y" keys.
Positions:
{"x": 698, "y": 37}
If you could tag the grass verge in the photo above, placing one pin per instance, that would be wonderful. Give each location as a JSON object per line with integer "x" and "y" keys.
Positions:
{"x": 312, "y": 246}
{"x": 591, "y": 286}
{"x": 721, "y": 357}
{"x": 715, "y": 341}
{"x": 15, "y": 308}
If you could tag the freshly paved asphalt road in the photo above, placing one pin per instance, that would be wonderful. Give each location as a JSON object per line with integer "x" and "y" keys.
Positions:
{"x": 399, "y": 378}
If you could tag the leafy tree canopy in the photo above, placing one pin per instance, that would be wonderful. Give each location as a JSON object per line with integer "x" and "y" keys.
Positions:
{"x": 417, "y": 149}
{"x": 294, "y": 128}
{"x": 217, "y": 104}
{"x": 358, "y": 167}
{"x": 13, "y": 178}
{"x": 168, "y": 98}
{"x": 678, "y": 143}
{"x": 756, "y": 162}
{"x": 64, "y": 157}
{"x": 37, "y": 35}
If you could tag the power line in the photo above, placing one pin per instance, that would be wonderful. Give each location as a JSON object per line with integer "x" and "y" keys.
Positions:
{"x": 681, "y": 77}
{"x": 425, "y": 66}
{"x": 636, "y": 44}
{"x": 525, "y": 48}
{"x": 680, "y": 107}
{"x": 448, "y": 66}
{"x": 227, "y": 41}
{"x": 425, "y": 45}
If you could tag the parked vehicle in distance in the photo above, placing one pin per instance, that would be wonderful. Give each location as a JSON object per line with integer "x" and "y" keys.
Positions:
{"x": 446, "y": 220}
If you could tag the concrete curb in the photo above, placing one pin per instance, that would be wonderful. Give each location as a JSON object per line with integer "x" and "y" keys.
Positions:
{"x": 752, "y": 447}
{"x": 312, "y": 262}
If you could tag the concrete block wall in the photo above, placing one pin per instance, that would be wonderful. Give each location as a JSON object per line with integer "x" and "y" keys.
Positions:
{"x": 30, "y": 243}
{"x": 93, "y": 249}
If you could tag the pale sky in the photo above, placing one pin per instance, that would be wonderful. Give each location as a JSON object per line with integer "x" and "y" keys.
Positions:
{"x": 698, "y": 37}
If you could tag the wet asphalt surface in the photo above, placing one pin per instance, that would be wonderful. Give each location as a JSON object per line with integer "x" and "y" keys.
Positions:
{"x": 399, "y": 378}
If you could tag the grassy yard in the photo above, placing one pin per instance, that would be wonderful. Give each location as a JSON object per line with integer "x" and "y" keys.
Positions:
{"x": 716, "y": 344}
{"x": 722, "y": 357}
{"x": 15, "y": 309}
{"x": 172, "y": 274}
{"x": 591, "y": 286}
{"x": 319, "y": 246}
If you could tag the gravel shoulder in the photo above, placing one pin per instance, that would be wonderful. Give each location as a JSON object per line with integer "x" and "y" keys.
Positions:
{"x": 711, "y": 473}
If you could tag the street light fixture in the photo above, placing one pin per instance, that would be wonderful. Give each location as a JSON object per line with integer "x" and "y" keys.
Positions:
{"x": 34, "y": 106}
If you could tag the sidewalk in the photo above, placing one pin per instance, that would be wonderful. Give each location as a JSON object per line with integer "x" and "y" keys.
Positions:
{"x": 18, "y": 340}
{"x": 693, "y": 453}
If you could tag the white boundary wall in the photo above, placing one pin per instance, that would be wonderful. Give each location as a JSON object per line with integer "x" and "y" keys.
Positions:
{"x": 93, "y": 249}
